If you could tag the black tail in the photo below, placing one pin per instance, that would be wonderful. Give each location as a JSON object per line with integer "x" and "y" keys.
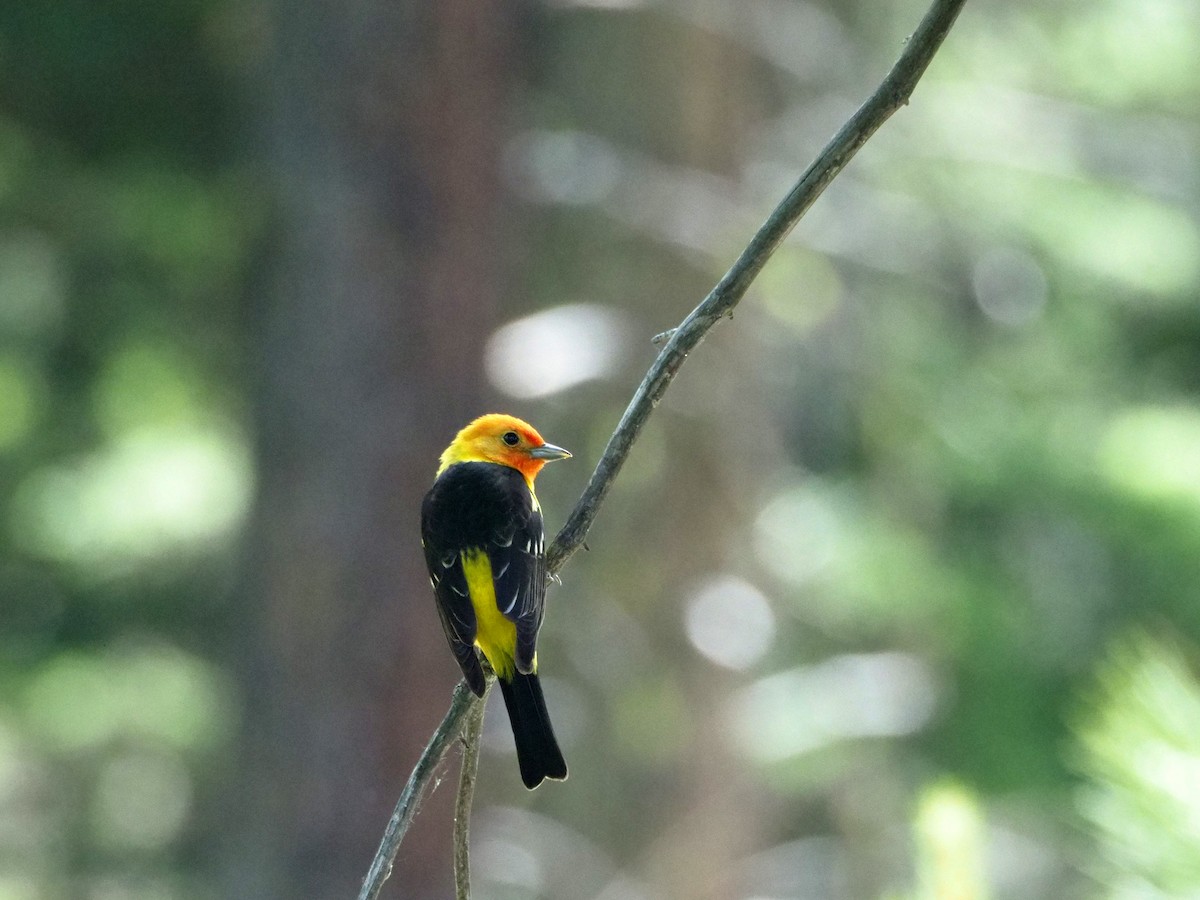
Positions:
{"x": 537, "y": 750}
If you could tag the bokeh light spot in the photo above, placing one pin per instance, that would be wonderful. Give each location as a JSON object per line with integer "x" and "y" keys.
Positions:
{"x": 800, "y": 289}
{"x": 1010, "y": 286}
{"x": 798, "y": 534}
{"x": 730, "y": 621}
{"x": 151, "y": 493}
{"x": 81, "y": 701}
{"x": 563, "y": 166}
{"x": 555, "y": 349}
{"x": 845, "y": 697}
{"x": 1154, "y": 452}
{"x": 142, "y": 800}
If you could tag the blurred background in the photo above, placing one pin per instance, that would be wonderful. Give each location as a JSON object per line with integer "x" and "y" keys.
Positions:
{"x": 897, "y": 597}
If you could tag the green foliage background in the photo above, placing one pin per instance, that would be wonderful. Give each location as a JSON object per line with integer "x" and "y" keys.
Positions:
{"x": 946, "y": 459}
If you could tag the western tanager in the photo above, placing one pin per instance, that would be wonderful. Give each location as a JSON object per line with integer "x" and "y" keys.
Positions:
{"x": 481, "y": 528}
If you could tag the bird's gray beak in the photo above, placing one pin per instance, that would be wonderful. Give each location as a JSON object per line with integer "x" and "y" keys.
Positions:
{"x": 549, "y": 452}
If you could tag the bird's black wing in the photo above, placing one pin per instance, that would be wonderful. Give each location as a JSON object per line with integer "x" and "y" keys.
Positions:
{"x": 517, "y": 555}
{"x": 485, "y": 506}
{"x": 443, "y": 557}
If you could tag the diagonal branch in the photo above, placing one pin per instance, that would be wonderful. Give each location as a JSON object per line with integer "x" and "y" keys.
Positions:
{"x": 462, "y": 702}
{"x": 471, "y": 737}
{"x": 891, "y": 94}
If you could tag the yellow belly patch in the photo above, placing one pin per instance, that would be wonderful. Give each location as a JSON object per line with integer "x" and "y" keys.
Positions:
{"x": 495, "y": 635}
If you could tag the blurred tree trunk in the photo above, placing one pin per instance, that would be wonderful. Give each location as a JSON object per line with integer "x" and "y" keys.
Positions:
{"x": 382, "y": 123}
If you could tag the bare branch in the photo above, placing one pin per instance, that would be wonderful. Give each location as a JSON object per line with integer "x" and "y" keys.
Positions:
{"x": 891, "y": 94}
{"x": 466, "y": 793}
{"x": 462, "y": 703}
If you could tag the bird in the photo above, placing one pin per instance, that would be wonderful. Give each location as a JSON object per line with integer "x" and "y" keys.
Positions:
{"x": 484, "y": 544}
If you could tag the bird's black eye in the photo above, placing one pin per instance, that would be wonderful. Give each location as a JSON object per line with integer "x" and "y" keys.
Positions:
{"x": 511, "y": 438}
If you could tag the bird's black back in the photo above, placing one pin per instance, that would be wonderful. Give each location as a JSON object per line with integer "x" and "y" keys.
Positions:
{"x": 489, "y": 507}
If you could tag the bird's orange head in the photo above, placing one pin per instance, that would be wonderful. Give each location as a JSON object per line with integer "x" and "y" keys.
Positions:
{"x": 502, "y": 439}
